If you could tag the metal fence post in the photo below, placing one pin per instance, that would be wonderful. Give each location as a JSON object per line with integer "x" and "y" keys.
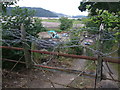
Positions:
{"x": 26, "y": 48}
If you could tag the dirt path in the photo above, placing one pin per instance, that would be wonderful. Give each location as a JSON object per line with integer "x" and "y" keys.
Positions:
{"x": 67, "y": 78}
{"x": 57, "y": 77}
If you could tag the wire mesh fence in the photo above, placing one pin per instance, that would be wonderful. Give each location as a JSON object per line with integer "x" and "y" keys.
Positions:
{"x": 62, "y": 46}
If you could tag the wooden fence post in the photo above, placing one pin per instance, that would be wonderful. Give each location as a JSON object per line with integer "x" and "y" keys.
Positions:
{"x": 26, "y": 48}
{"x": 99, "y": 68}
{"x": 119, "y": 56}
{"x": 0, "y": 49}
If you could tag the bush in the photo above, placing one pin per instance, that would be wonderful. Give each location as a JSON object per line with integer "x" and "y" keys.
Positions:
{"x": 65, "y": 23}
{"x": 75, "y": 37}
{"x": 89, "y": 22}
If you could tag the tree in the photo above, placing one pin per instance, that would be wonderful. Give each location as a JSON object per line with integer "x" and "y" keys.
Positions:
{"x": 5, "y": 4}
{"x": 9, "y": 22}
{"x": 19, "y": 16}
{"x": 106, "y": 12}
{"x": 95, "y": 7}
{"x": 109, "y": 14}
{"x": 65, "y": 23}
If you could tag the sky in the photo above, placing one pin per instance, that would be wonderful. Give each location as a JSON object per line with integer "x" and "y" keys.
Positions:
{"x": 68, "y": 7}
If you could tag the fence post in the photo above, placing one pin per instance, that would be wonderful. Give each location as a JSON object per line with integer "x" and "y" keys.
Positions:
{"x": 0, "y": 49}
{"x": 119, "y": 56}
{"x": 99, "y": 68}
{"x": 26, "y": 48}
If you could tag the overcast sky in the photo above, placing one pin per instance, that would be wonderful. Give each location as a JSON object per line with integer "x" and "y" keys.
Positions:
{"x": 69, "y": 7}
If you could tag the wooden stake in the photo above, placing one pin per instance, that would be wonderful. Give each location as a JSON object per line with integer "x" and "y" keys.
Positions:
{"x": 26, "y": 48}
{"x": 100, "y": 58}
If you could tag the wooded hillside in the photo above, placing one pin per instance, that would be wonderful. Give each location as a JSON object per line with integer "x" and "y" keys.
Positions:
{"x": 40, "y": 12}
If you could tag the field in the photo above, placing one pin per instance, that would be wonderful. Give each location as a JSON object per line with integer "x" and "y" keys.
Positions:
{"x": 57, "y": 21}
{"x": 55, "y": 24}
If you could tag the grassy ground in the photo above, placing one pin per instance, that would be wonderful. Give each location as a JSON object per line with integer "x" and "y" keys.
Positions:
{"x": 55, "y": 29}
{"x": 92, "y": 65}
{"x": 50, "y": 20}
{"x": 57, "y": 20}
{"x": 76, "y": 22}
{"x": 115, "y": 66}
{"x": 53, "y": 22}
{"x": 88, "y": 62}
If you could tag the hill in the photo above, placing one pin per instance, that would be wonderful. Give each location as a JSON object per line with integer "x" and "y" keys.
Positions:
{"x": 61, "y": 15}
{"x": 40, "y": 12}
